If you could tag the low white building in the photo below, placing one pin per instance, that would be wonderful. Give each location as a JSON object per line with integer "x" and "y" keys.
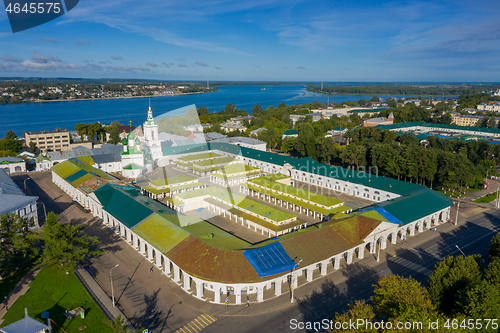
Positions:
{"x": 12, "y": 164}
{"x": 14, "y": 201}
{"x": 244, "y": 142}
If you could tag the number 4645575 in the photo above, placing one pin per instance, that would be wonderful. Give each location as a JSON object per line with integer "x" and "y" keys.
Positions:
{"x": 34, "y": 7}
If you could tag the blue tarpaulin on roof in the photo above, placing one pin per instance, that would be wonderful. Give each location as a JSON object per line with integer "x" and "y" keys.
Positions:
{"x": 388, "y": 216}
{"x": 270, "y": 259}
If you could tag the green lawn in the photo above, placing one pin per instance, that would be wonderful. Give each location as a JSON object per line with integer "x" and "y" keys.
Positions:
{"x": 55, "y": 291}
{"x": 198, "y": 156}
{"x": 487, "y": 198}
{"x": 472, "y": 190}
{"x": 453, "y": 194}
{"x": 215, "y": 161}
{"x": 10, "y": 281}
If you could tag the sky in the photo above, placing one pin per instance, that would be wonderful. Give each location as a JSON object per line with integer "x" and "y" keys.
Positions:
{"x": 275, "y": 40}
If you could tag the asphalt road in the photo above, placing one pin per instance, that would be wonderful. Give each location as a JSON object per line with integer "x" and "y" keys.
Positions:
{"x": 153, "y": 301}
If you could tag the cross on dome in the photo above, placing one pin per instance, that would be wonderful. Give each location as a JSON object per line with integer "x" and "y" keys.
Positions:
{"x": 150, "y": 112}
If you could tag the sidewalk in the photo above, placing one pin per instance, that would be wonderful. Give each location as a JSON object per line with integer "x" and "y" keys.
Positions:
{"x": 19, "y": 290}
{"x": 99, "y": 296}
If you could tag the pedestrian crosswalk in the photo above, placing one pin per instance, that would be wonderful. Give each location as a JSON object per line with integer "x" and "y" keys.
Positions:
{"x": 411, "y": 265}
{"x": 197, "y": 324}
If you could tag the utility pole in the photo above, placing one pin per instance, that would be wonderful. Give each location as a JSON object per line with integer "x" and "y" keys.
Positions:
{"x": 458, "y": 206}
{"x": 111, "y": 278}
{"x": 378, "y": 252}
{"x": 497, "y": 201}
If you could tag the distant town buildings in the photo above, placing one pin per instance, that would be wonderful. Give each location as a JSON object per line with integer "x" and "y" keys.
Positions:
{"x": 295, "y": 117}
{"x": 489, "y": 106}
{"x": 49, "y": 141}
{"x": 466, "y": 120}
{"x": 230, "y": 126}
{"x": 379, "y": 121}
{"x": 124, "y": 130}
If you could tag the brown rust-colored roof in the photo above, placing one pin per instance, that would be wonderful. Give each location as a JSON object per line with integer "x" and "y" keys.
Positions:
{"x": 330, "y": 240}
{"x": 210, "y": 263}
{"x": 204, "y": 261}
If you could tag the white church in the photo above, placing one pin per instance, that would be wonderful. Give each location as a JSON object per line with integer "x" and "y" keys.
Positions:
{"x": 139, "y": 156}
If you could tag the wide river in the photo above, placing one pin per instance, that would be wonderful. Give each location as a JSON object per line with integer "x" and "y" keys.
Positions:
{"x": 33, "y": 117}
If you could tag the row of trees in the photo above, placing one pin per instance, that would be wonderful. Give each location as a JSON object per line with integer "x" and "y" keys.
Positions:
{"x": 461, "y": 290}
{"x": 450, "y": 164}
{"x": 401, "y": 89}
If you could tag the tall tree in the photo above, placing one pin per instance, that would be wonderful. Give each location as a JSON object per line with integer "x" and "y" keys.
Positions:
{"x": 33, "y": 147}
{"x": 450, "y": 278}
{"x": 114, "y": 136}
{"x": 257, "y": 109}
{"x": 10, "y": 135}
{"x": 394, "y": 293}
{"x": 16, "y": 242}
{"x": 494, "y": 249}
{"x": 65, "y": 244}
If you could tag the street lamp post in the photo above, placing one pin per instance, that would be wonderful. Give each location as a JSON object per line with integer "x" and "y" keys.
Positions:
{"x": 460, "y": 250}
{"x": 291, "y": 285}
{"x": 25, "y": 182}
{"x": 458, "y": 206}
{"x": 111, "y": 278}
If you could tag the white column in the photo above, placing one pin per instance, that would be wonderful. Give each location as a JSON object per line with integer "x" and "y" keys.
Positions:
{"x": 372, "y": 247}
{"x": 237, "y": 293}
{"x": 277, "y": 287}
{"x": 158, "y": 258}
{"x": 177, "y": 274}
{"x": 309, "y": 274}
{"x": 135, "y": 241}
{"x": 336, "y": 262}
{"x": 167, "y": 265}
{"x": 199, "y": 289}
{"x": 324, "y": 267}
{"x": 394, "y": 237}
{"x": 361, "y": 252}
{"x": 142, "y": 246}
{"x": 217, "y": 294}
{"x": 150, "y": 253}
{"x": 349, "y": 257}
{"x": 260, "y": 294}
{"x": 383, "y": 243}
{"x": 186, "y": 285}
{"x": 129, "y": 235}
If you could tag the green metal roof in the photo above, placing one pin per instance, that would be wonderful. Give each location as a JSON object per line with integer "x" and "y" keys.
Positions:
{"x": 408, "y": 208}
{"x": 440, "y": 126}
{"x": 290, "y": 132}
{"x": 126, "y": 205}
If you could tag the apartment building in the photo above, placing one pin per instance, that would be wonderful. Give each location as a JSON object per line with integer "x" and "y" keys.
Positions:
{"x": 49, "y": 141}
{"x": 490, "y": 106}
{"x": 467, "y": 120}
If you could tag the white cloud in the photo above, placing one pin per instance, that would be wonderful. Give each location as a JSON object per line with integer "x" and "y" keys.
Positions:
{"x": 201, "y": 64}
{"x": 43, "y": 59}
{"x": 151, "y": 64}
{"x": 10, "y": 58}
